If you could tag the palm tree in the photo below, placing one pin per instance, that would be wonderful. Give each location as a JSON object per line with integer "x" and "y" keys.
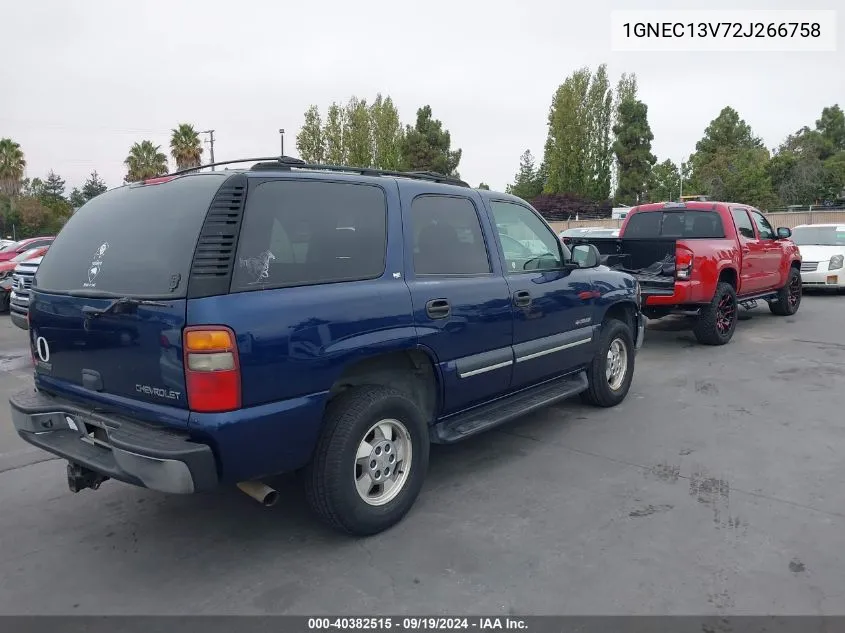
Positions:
{"x": 12, "y": 165}
{"x": 145, "y": 161}
{"x": 185, "y": 146}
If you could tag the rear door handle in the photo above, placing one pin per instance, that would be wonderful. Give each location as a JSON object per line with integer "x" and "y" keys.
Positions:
{"x": 438, "y": 309}
{"x": 522, "y": 298}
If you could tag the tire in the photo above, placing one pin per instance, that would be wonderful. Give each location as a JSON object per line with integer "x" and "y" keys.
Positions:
{"x": 787, "y": 304}
{"x": 5, "y": 299}
{"x": 717, "y": 322}
{"x": 330, "y": 478}
{"x": 601, "y": 392}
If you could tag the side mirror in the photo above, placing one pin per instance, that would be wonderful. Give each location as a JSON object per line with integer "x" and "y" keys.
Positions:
{"x": 585, "y": 256}
{"x": 784, "y": 233}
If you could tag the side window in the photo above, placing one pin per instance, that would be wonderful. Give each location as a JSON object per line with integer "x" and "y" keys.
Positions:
{"x": 743, "y": 223}
{"x": 447, "y": 237}
{"x": 302, "y": 232}
{"x": 527, "y": 242}
{"x": 763, "y": 227}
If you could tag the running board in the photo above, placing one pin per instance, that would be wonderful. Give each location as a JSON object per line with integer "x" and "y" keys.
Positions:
{"x": 487, "y": 416}
{"x": 750, "y": 302}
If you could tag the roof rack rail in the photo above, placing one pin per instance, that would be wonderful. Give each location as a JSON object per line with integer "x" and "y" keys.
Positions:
{"x": 280, "y": 162}
{"x": 288, "y": 162}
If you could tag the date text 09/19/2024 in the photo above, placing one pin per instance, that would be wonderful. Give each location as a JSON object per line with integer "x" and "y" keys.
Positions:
{"x": 416, "y": 623}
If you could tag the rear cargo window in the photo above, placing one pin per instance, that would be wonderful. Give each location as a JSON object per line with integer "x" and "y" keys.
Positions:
{"x": 683, "y": 225}
{"x": 131, "y": 241}
{"x": 301, "y": 232}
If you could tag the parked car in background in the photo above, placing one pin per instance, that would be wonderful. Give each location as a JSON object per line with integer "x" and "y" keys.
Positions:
{"x": 822, "y": 249}
{"x": 601, "y": 233}
{"x": 619, "y": 213}
{"x": 567, "y": 234}
{"x": 7, "y": 269}
{"x": 5, "y": 243}
{"x": 705, "y": 259}
{"x": 15, "y": 249}
{"x": 19, "y": 299}
{"x": 299, "y": 318}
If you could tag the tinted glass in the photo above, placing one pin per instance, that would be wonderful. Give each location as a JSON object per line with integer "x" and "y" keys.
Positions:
{"x": 743, "y": 223}
{"x": 132, "y": 241}
{"x": 682, "y": 225}
{"x": 541, "y": 248}
{"x": 447, "y": 237}
{"x": 303, "y": 232}
{"x": 763, "y": 227}
{"x": 819, "y": 236}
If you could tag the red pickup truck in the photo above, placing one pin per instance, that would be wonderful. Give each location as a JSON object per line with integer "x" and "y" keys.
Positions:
{"x": 705, "y": 259}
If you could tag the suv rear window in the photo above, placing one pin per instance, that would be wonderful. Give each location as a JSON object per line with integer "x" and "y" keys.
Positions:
{"x": 675, "y": 224}
{"x": 132, "y": 241}
{"x": 302, "y": 232}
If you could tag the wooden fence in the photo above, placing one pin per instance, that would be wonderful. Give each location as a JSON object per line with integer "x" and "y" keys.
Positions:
{"x": 788, "y": 219}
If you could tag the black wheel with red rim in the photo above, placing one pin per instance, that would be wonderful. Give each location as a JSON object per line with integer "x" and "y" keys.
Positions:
{"x": 789, "y": 297}
{"x": 717, "y": 321}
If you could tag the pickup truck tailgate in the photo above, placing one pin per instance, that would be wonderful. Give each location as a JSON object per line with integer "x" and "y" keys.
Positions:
{"x": 650, "y": 261}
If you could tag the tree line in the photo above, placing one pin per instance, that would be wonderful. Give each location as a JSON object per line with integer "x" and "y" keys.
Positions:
{"x": 598, "y": 151}
{"x": 359, "y": 134}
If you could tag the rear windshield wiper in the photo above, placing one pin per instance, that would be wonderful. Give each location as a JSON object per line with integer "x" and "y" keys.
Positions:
{"x": 92, "y": 313}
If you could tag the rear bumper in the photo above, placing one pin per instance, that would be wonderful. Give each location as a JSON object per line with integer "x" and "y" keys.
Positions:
{"x": 686, "y": 292}
{"x": 116, "y": 447}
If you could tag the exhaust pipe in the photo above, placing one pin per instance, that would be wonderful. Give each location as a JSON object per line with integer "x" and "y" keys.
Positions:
{"x": 259, "y": 491}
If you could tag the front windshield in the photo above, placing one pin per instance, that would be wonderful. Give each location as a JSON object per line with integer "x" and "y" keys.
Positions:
{"x": 32, "y": 252}
{"x": 819, "y": 236}
{"x": 8, "y": 246}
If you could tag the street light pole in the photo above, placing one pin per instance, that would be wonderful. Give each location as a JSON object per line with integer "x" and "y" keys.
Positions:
{"x": 282, "y": 134}
{"x": 211, "y": 143}
{"x": 681, "y": 180}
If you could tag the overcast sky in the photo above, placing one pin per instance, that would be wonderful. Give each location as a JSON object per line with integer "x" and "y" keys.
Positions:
{"x": 82, "y": 81}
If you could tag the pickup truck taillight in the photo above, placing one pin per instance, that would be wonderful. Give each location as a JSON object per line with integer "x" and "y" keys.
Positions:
{"x": 212, "y": 369}
{"x": 683, "y": 263}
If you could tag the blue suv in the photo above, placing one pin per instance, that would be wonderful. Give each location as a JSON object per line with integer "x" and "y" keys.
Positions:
{"x": 222, "y": 327}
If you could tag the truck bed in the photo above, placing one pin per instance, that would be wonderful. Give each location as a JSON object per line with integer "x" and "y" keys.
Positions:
{"x": 649, "y": 261}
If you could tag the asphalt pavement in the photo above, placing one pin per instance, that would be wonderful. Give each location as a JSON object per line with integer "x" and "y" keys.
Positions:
{"x": 715, "y": 488}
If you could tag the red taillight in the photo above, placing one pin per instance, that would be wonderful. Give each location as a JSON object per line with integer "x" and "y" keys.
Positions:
{"x": 212, "y": 369}
{"x": 683, "y": 263}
